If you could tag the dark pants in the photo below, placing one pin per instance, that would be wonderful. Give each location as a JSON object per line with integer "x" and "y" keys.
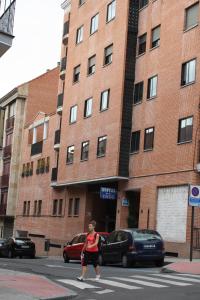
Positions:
{"x": 90, "y": 258}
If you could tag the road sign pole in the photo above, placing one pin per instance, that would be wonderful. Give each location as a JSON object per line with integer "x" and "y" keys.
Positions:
{"x": 192, "y": 234}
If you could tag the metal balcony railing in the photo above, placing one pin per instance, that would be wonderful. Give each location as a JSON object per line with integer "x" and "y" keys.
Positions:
{"x": 3, "y": 209}
{"x": 10, "y": 123}
{"x": 7, "y": 151}
{"x": 4, "y": 181}
{"x": 60, "y": 100}
{"x": 63, "y": 64}
{"x": 36, "y": 148}
{"x": 54, "y": 174}
{"x": 7, "y": 13}
{"x": 57, "y": 137}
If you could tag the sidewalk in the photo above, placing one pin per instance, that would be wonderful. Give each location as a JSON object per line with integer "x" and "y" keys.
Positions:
{"x": 178, "y": 265}
{"x": 24, "y": 286}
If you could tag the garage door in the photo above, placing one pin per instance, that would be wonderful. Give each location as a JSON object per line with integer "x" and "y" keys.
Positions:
{"x": 172, "y": 206}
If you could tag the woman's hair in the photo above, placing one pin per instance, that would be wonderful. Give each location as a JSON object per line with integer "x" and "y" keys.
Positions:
{"x": 94, "y": 223}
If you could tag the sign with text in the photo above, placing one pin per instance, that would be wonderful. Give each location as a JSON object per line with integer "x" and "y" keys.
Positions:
{"x": 108, "y": 193}
{"x": 194, "y": 196}
{"x": 125, "y": 202}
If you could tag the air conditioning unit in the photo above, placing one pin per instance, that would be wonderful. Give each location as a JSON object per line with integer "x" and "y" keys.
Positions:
{"x": 198, "y": 167}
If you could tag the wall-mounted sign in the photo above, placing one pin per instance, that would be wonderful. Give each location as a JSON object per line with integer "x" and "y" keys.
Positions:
{"x": 194, "y": 195}
{"x": 108, "y": 193}
{"x": 125, "y": 202}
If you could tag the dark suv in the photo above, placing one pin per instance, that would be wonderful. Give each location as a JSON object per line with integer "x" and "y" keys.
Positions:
{"x": 127, "y": 246}
{"x": 13, "y": 247}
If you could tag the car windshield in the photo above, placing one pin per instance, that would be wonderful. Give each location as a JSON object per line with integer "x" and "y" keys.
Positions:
{"x": 146, "y": 235}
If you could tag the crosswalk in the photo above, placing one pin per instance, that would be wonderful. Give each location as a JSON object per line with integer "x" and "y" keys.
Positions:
{"x": 134, "y": 282}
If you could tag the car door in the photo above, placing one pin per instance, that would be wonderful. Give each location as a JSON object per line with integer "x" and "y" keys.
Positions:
{"x": 81, "y": 242}
{"x": 7, "y": 246}
{"x": 108, "y": 249}
{"x": 71, "y": 248}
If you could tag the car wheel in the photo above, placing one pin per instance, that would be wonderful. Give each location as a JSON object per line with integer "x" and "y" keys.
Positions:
{"x": 66, "y": 258}
{"x": 125, "y": 262}
{"x": 159, "y": 263}
{"x": 10, "y": 254}
{"x": 101, "y": 260}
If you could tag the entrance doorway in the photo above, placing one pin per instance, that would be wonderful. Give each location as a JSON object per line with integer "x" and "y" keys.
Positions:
{"x": 134, "y": 208}
{"x": 103, "y": 211}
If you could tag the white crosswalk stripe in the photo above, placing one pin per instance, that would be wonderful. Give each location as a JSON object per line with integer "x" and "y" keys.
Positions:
{"x": 150, "y": 278}
{"x": 179, "y": 278}
{"x": 134, "y": 282}
{"x": 117, "y": 284}
{"x": 78, "y": 284}
{"x": 140, "y": 282}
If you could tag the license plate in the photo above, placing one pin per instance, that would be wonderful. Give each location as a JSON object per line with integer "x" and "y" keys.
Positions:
{"x": 150, "y": 246}
{"x": 25, "y": 247}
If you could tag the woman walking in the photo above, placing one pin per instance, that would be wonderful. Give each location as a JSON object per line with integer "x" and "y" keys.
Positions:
{"x": 90, "y": 252}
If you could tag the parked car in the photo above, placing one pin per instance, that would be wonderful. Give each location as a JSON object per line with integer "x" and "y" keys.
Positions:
{"x": 132, "y": 245}
{"x": 2, "y": 241}
{"x": 73, "y": 249}
{"x": 13, "y": 247}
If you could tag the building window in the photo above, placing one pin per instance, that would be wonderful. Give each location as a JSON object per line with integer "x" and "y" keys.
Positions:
{"x": 70, "y": 154}
{"x": 104, "y": 103}
{"x": 192, "y": 16}
{"x": 24, "y": 208}
{"x": 73, "y": 114}
{"x": 76, "y": 207}
{"x": 152, "y": 87}
{"x": 60, "y": 207}
{"x": 55, "y": 207}
{"x": 39, "y": 212}
{"x": 108, "y": 54}
{"x": 76, "y": 76}
{"x": 91, "y": 65}
{"x": 85, "y": 150}
{"x": 135, "y": 142}
{"x": 142, "y": 41}
{"x": 70, "y": 207}
{"x": 155, "y": 37}
{"x": 138, "y": 92}
{"x": 81, "y": 2}
{"x": 188, "y": 72}
{"x": 94, "y": 24}
{"x": 88, "y": 108}
{"x": 28, "y": 208}
{"x": 111, "y": 11}
{"x": 149, "y": 138}
{"x": 143, "y": 3}
{"x": 185, "y": 130}
{"x": 101, "y": 147}
{"x": 79, "y": 35}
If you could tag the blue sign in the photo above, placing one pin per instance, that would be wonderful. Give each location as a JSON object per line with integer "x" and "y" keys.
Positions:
{"x": 125, "y": 202}
{"x": 108, "y": 193}
{"x": 194, "y": 195}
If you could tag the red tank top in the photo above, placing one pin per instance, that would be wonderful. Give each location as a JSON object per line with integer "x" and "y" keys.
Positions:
{"x": 91, "y": 239}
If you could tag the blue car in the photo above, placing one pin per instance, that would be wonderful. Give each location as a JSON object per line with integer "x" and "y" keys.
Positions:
{"x": 128, "y": 246}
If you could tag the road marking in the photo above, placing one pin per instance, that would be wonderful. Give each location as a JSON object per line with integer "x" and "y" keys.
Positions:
{"x": 104, "y": 292}
{"x": 78, "y": 284}
{"x": 140, "y": 282}
{"x": 179, "y": 278}
{"x": 190, "y": 275}
{"x": 58, "y": 266}
{"x": 117, "y": 284}
{"x": 161, "y": 280}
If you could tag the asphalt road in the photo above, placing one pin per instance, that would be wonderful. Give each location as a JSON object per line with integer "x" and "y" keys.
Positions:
{"x": 140, "y": 282}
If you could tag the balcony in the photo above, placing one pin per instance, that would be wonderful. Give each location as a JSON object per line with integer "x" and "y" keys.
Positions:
{"x": 4, "y": 181}
{"x": 54, "y": 174}
{"x": 7, "y": 12}
{"x": 57, "y": 140}
{"x": 3, "y": 209}
{"x": 65, "y": 33}
{"x": 10, "y": 123}
{"x": 63, "y": 67}
{"x": 36, "y": 148}
{"x": 60, "y": 104}
{"x": 7, "y": 151}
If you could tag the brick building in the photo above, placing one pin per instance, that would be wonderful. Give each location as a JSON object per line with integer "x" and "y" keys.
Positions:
{"x": 128, "y": 120}
{"x": 19, "y": 107}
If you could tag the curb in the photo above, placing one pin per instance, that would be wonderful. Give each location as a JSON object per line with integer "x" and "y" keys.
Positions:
{"x": 72, "y": 296}
{"x": 167, "y": 270}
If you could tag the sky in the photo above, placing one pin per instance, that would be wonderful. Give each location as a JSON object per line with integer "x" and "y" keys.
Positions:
{"x": 37, "y": 44}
